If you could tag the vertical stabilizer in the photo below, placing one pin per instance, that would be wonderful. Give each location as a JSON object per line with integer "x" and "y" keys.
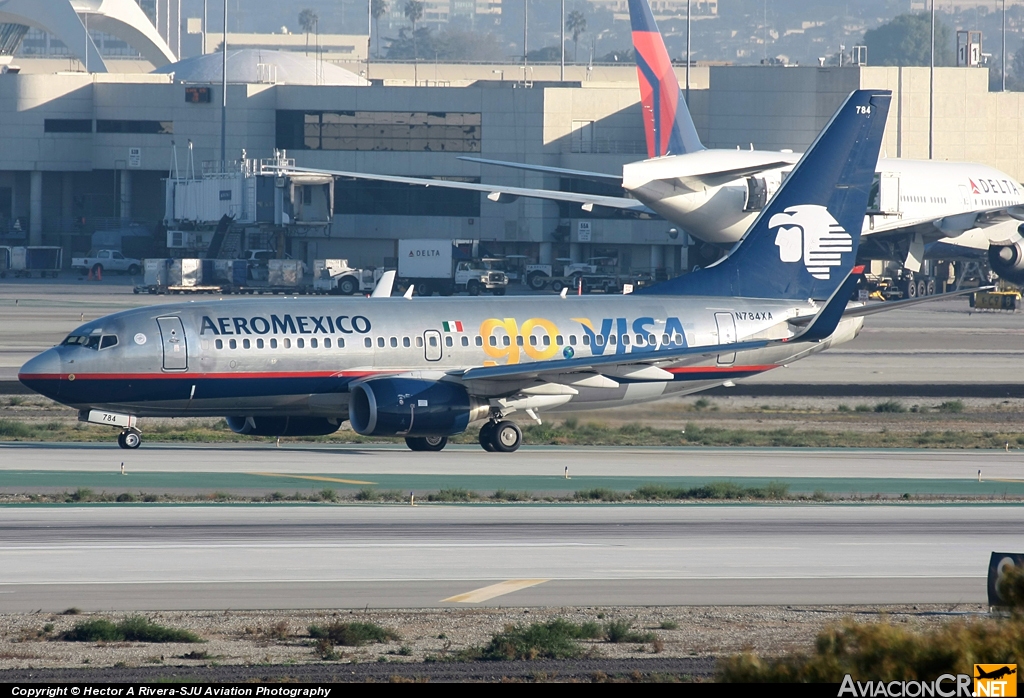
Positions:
{"x": 804, "y": 242}
{"x": 667, "y": 123}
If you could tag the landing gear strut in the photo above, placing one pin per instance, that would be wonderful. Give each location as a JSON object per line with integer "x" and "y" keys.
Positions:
{"x": 503, "y": 436}
{"x": 129, "y": 438}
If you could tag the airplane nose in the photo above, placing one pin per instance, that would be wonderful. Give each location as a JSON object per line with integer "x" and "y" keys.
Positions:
{"x": 42, "y": 373}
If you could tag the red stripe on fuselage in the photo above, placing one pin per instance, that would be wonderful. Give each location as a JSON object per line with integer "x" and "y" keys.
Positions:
{"x": 722, "y": 369}
{"x": 188, "y": 374}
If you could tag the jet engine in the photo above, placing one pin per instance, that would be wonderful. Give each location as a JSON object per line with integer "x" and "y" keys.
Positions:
{"x": 283, "y": 426}
{"x": 1008, "y": 260}
{"x": 412, "y": 407}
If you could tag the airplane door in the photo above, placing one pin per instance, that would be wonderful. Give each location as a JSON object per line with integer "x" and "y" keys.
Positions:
{"x": 172, "y": 334}
{"x": 432, "y": 345}
{"x": 965, "y": 196}
{"x": 726, "y": 335}
{"x": 889, "y": 193}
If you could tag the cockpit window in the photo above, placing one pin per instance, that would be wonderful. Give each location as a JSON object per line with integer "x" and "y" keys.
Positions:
{"x": 108, "y": 340}
{"x": 89, "y": 341}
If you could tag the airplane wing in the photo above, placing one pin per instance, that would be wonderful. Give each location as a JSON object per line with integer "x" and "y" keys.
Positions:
{"x": 886, "y": 306}
{"x": 561, "y": 171}
{"x": 644, "y": 365}
{"x": 698, "y": 181}
{"x": 495, "y": 192}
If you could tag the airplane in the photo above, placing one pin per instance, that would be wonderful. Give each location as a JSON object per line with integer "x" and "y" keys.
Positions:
{"x": 995, "y": 673}
{"x": 715, "y": 194}
{"x": 425, "y": 369}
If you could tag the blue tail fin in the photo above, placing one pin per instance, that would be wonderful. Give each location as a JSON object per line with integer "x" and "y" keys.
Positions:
{"x": 804, "y": 243}
{"x": 667, "y": 123}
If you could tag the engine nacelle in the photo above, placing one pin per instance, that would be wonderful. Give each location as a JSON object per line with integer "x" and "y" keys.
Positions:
{"x": 283, "y": 426}
{"x": 412, "y": 407}
{"x": 1008, "y": 261}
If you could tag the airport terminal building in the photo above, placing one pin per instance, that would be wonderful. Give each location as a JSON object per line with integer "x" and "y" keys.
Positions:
{"x": 83, "y": 152}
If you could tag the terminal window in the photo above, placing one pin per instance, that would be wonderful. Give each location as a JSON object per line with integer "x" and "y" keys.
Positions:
{"x": 443, "y": 132}
{"x": 390, "y": 198}
{"x": 67, "y": 125}
{"x": 134, "y": 126}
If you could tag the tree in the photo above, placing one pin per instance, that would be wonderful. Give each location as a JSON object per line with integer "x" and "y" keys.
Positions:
{"x": 378, "y": 8}
{"x": 307, "y": 20}
{"x": 575, "y": 24}
{"x": 906, "y": 41}
{"x": 414, "y": 13}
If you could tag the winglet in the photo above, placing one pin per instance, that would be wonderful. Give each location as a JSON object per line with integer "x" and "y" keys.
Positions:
{"x": 827, "y": 319}
{"x": 384, "y": 286}
{"x": 408, "y": 292}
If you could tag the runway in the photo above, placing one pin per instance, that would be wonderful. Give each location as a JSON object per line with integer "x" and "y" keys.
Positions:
{"x": 186, "y": 557}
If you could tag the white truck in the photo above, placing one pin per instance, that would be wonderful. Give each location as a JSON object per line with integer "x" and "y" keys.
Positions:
{"x": 107, "y": 261}
{"x": 444, "y": 267}
{"x": 337, "y": 278}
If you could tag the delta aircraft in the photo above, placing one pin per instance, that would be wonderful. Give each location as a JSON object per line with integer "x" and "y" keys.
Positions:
{"x": 426, "y": 369}
{"x": 715, "y": 194}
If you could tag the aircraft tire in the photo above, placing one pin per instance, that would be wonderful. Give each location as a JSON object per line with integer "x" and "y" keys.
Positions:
{"x": 426, "y": 443}
{"x": 507, "y": 437}
{"x": 487, "y": 437}
{"x": 120, "y": 440}
{"x": 132, "y": 439}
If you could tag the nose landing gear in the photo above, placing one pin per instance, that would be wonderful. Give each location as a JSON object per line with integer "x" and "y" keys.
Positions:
{"x": 129, "y": 438}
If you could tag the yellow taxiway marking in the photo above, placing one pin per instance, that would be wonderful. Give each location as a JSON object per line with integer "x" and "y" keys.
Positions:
{"x": 317, "y": 477}
{"x": 499, "y": 589}
{"x": 999, "y": 479}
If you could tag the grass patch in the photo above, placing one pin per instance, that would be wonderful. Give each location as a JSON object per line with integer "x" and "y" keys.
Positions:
{"x": 452, "y": 494}
{"x": 890, "y": 406}
{"x": 951, "y": 407}
{"x": 131, "y": 629}
{"x": 712, "y": 490}
{"x": 556, "y": 639}
{"x": 622, "y": 631}
{"x": 504, "y": 495}
{"x": 355, "y": 634}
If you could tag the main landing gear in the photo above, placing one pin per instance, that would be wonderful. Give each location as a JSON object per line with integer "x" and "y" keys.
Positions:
{"x": 426, "y": 443}
{"x": 129, "y": 438}
{"x": 502, "y": 436}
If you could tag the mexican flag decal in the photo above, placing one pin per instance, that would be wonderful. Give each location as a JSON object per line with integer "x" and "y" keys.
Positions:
{"x": 452, "y": 326}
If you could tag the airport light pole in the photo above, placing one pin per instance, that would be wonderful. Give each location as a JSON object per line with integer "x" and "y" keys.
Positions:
{"x": 687, "y": 54}
{"x": 224, "y": 94}
{"x": 202, "y": 50}
{"x": 931, "y": 92}
{"x": 1002, "y": 61}
{"x": 561, "y": 53}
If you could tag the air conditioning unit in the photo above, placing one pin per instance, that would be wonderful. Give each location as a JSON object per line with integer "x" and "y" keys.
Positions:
{"x": 181, "y": 239}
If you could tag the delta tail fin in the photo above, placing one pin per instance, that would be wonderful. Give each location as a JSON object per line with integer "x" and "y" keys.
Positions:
{"x": 804, "y": 242}
{"x": 667, "y": 123}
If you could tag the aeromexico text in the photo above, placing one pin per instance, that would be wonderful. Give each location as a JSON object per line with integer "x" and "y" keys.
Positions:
{"x": 289, "y": 324}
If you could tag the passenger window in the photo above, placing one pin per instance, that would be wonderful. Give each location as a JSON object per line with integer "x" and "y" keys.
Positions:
{"x": 394, "y": 341}
{"x": 507, "y": 341}
{"x": 108, "y": 341}
{"x": 259, "y": 343}
{"x": 572, "y": 340}
{"x": 299, "y": 343}
{"x": 368, "y": 343}
{"x": 232, "y": 344}
{"x": 419, "y": 342}
{"x": 586, "y": 340}
{"x": 341, "y": 342}
{"x": 639, "y": 340}
{"x": 312, "y": 343}
{"x": 677, "y": 338}
{"x": 533, "y": 340}
{"x": 405, "y": 342}
{"x": 652, "y": 340}
{"x": 432, "y": 341}
{"x": 493, "y": 341}
{"x": 599, "y": 340}
{"x": 465, "y": 341}
{"x": 219, "y": 344}
{"x": 273, "y": 343}
{"x": 380, "y": 342}
{"x": 558, "y": 340}
{"x": 448, "y": 341}
{"x": 519, "y": 340}
{"x": 287, "y": 343}
{"x": 546, "y": 340}
{"x": 327, "y": 342}
{"x": 479, "y": 341}
{"x": 245, "y": 344}
{"x": 664, "y": 339}
{"x": 625, "y": 339}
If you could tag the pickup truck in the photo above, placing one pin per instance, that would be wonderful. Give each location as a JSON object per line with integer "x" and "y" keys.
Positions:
{"x": 108, "y": 261}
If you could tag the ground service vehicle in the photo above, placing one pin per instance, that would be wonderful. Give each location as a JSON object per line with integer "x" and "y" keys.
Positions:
{"x": 337, "y": 278}
{"x": 446, "y": 267}
{"x": 107, "y": 261}
{"x": 24, "y": 261}
{"x": 597, "y": 274}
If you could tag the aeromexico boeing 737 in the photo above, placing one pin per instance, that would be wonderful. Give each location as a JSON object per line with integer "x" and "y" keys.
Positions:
{"x": 715, "y": 194}
{"x": 426, "y": 369}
